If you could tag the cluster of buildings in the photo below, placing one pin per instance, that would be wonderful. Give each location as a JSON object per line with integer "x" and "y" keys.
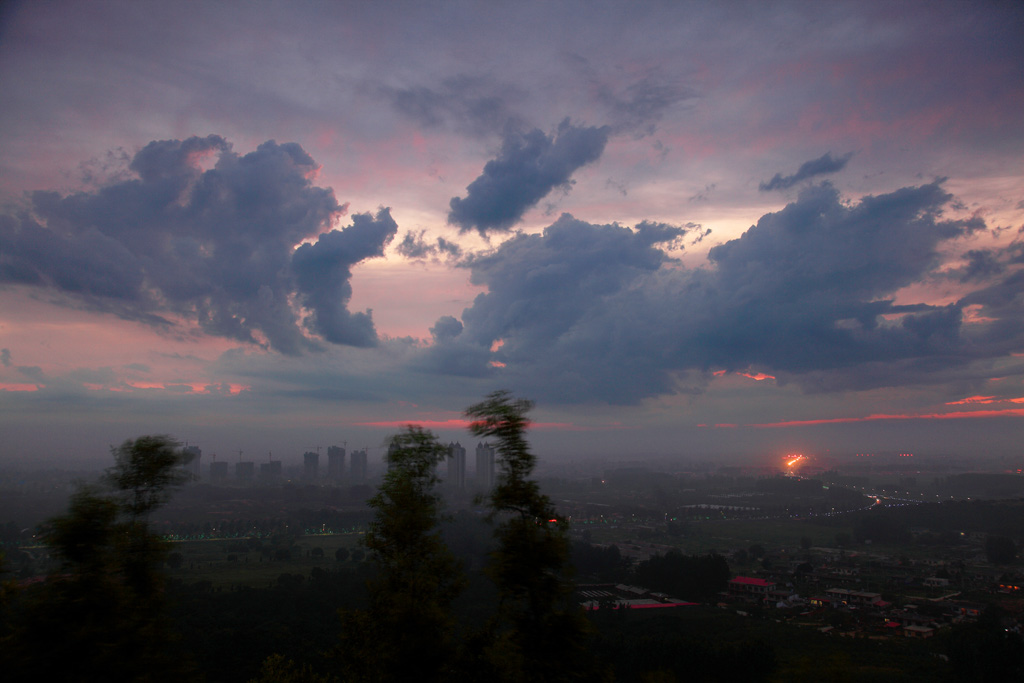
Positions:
{"x": 342, "y": 467}
{"x": 456, "y": 473}
{"x": 865, "y": 612}
{"x": 245, "y": 471}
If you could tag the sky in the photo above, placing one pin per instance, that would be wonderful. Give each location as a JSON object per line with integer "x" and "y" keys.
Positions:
{"x": 680, "y": 228}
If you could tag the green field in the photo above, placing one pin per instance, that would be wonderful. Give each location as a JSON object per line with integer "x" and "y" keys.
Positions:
{"x": 726, "y": 535}
{"x": 224, "y": 565}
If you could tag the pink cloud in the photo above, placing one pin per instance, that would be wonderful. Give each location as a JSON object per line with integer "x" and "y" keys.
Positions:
{"x": 177, "y": 387}
{"x": 756, "y": 376}
{"x": 984, "y": 399}
{"x": 11, "y": 386}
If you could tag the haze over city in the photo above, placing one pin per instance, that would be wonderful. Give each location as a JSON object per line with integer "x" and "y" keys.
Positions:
{"x": 680, "y": 228}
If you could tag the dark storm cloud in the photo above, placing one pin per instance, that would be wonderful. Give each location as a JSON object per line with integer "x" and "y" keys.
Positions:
{"x": 1016, "y": 251}
{"x": 1002, "y": 304}
{"x": 528, "y": 167}
{"x": 823, "y": 165}
{"x": 214, "y": 246}
{"x": 323, "y": 271}
{"x": 598, "y": 312}
{"x": 981, "y": 264}
{"x": 542, "y": 290}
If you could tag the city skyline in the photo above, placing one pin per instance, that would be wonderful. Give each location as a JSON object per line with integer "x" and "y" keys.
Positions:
{"x": 680, "y": 228}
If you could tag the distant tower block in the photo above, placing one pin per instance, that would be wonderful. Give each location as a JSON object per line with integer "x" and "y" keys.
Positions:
{"x": 358, "y": 465}
{"x": 335, "y": 463}
{"x": 245, "y": 471}
{"x": 270, "y": 470}
{"x": 311, "y": 465}
{"x": 195, "y": 464}
{"x": 457, "y": 466}
{"x": 218, "y": 472}
{"x": 484, "y": 466}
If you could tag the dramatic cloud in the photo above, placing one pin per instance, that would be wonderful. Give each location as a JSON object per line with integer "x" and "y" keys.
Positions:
{"x": 526, "y": 170}
{"x": 592, "y": 312}
{"x": 323, "y": 271}
{"x": 981, "y": 264}
{"x": 821, "y": 166}
{"x": 543, "y": 292}
{"x": 214, "y": 246}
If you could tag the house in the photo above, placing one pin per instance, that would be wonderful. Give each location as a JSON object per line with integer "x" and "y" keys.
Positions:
{"x": 842, "y": 596}
{"x": 914, "y": 631}
{"x": 750, "y": 587}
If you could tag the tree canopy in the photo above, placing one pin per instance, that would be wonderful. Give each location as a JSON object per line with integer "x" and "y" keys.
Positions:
{"x": 101, "y": 616}
{"x": 538, "y": 633}
{"x": 406, "y": 633}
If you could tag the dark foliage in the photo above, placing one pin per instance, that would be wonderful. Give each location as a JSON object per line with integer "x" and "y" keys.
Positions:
{"x": 1000, "y": 550}
{"x": 538, "y": 633}
{"x": 682, "y": 576}
{"x": 102, "y": 616}
{"x": 985, "y": 652}
{"x": 406, "y": 632}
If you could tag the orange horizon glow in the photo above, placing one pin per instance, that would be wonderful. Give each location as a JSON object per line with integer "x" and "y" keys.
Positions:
{"x": 960, "y": 415}
{"x": 757, "y": 377}
{"x": 984, "y": 399}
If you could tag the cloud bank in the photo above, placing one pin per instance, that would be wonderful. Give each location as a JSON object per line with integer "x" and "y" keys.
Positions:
{"x": 207, "y": 235}
{"x": 589, "y": 312}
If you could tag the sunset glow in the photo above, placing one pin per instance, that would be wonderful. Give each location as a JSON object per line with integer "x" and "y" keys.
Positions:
{"x": 795, "y": 226}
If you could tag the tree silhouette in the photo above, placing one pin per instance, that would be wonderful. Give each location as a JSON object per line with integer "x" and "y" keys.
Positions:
{"x": 406, "y": 632}
{"x": 538, "y": 633}
{"x": 101, "y": 617}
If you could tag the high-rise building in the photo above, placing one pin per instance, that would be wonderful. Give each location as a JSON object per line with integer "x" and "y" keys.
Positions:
{"x": 358, "y": 465}
{"x": 245, "y": 470}
{"x": 270, "y": 471}
{"x": 310, "y": 465}
{"x": 456, "y": 466}
{"x": 194, "y": 466}
{"x": 335, "y": 463}
{"x": 218, "y": 471}
{"x": 484, "y": 466}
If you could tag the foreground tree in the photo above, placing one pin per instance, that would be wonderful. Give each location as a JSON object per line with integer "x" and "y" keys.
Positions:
{"x": 100, "y": 617}
{"x": 538, "y": 633}
{"x": 406, "y": 633}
